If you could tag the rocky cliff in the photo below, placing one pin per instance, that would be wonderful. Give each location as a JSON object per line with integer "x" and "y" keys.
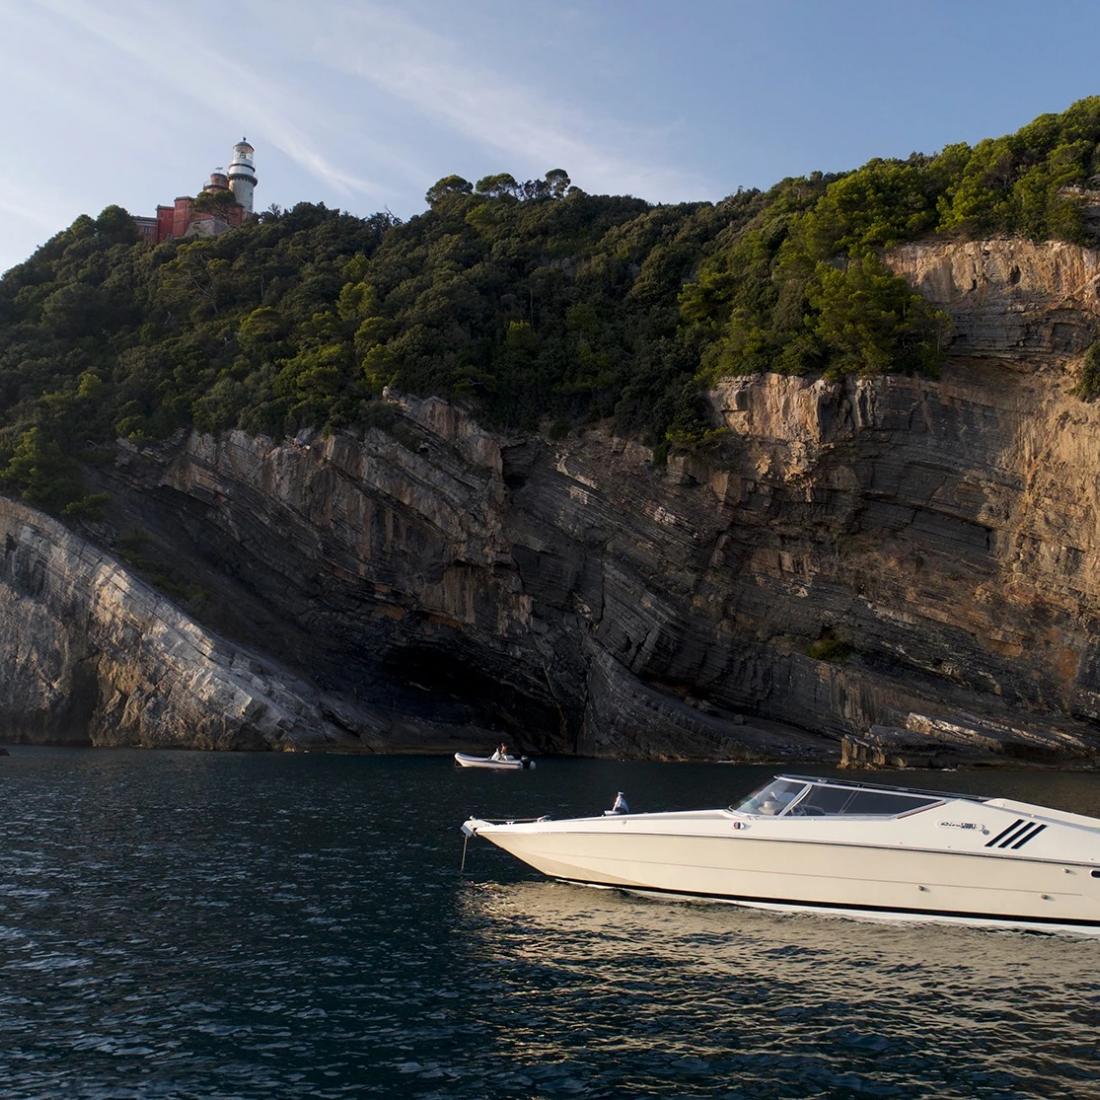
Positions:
{"x": 94, "y": 655}
{"x": 907, "y": 563}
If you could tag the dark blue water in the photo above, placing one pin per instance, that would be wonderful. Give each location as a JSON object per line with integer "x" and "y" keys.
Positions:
{"x": 201, "y": 925}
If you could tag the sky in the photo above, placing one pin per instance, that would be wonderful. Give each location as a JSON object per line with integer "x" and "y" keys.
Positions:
{"x": 362, "y": 104}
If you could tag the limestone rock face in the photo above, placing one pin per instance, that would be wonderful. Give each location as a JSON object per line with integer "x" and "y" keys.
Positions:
{"x": 1016, "y": 301}
{"x": 93, "y": 655}
{"x": 906, "y": 563}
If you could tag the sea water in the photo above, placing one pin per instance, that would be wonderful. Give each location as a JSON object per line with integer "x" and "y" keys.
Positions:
{"x": 224, "y": 925}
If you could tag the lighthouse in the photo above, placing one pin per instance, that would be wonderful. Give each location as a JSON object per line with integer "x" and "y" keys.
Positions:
{"x": 242, "y": 174}
{"x": 212, "y": 212}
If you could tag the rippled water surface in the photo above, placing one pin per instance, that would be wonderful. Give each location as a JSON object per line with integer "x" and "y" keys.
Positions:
{"x": 201, "y": 925}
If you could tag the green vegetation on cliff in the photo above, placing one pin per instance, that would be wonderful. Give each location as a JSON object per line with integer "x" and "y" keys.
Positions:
{"x": 532, "y": 300}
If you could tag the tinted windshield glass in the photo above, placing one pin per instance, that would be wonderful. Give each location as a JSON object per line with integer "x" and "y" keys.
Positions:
{"x": 825, "y": 800}
{"x": 773, "y": 798}
{"x": 820, "y": 801}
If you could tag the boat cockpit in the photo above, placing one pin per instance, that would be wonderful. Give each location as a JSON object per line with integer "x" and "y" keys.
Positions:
{"x": 796, "y": 796}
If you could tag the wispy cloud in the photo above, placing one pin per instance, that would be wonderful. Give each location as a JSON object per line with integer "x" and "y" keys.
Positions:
{"x": 28, "y": 204}
{"x": 227, "y": 86}
{"x": 32, "y": 212}
{"x": 359, "y": 95}
{"x": 414, "y": 63}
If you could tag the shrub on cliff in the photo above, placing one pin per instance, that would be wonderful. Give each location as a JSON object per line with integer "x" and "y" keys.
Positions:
{"x": 1088, "y": 384}
{"x": 41, "y": 473}
{"x": 796, "y": 316}
{"x": 829, "y": 648}
{"x": 870, "y": 321}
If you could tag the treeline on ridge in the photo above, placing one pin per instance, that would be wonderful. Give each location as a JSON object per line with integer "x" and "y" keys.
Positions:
{"x": 535, "y": 302}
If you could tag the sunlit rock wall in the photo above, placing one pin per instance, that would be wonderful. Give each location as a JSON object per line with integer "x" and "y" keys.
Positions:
{"x": 911, "y": 556}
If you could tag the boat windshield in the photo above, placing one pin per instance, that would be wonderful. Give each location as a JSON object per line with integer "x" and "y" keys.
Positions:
{"x": 793, "y": 798}
{"x": 772, "y": 799}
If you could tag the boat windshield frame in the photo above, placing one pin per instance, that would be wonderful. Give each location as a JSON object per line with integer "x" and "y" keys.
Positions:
{"x": 864, "y": 785}
{"x": 782, "y": 796}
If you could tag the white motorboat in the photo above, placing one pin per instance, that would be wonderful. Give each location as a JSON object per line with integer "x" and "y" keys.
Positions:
{"x": 840, "y": 847}
{"x": 504, "y": 763}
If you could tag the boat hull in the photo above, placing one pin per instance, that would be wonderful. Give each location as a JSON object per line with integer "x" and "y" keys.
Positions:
{"x": 839, "y": 878}
{"x": 514, "y": 764}
{"x": 866, "y": 914}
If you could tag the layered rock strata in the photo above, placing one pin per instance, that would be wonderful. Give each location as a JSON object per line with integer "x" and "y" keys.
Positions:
{"x": 92, "y": 655}
{"x": 904, "y": 561}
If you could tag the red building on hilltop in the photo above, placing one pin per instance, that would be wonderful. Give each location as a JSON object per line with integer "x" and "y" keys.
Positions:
{"x": 224, "y": 203}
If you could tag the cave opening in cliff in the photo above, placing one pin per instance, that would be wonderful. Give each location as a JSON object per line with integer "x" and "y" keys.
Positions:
{"x": 490, "y": 693}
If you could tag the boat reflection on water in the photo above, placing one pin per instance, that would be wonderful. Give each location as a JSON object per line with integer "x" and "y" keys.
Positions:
{"x": 694, "y": 989}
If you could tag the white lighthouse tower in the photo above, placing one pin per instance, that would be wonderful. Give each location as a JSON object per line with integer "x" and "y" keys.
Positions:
{"x": 242, "y": 174}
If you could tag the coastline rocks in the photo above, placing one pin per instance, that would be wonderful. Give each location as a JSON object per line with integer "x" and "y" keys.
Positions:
{"x": 94, "y": 656}
{"x": 909, "y": 564}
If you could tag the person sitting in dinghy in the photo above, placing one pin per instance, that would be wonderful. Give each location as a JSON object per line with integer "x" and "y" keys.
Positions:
{"x": 501, "y": 752}
{"x": 618, "y": 807}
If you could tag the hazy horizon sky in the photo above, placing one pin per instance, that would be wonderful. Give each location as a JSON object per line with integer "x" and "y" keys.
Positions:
{"x": 362, "y": 105}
